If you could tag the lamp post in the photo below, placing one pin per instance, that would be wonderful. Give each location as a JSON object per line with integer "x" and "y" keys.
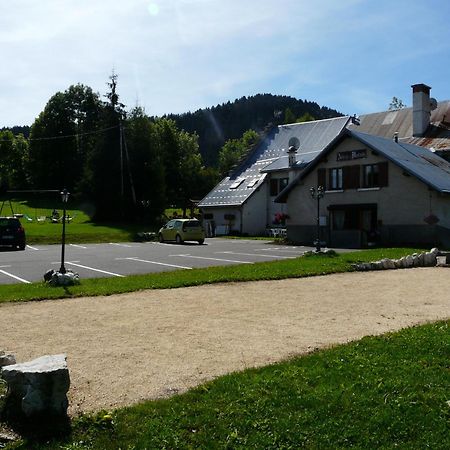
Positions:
{"x": 317, "y": 194}
{"x": 65, "y": 197}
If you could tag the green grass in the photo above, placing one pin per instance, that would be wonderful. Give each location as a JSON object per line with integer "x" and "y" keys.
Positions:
{"x": 380, "y": 392}
{"x": 292, "y": 268}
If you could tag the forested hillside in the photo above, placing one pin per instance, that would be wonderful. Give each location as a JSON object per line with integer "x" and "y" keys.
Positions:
{"x": 215, "y": 125}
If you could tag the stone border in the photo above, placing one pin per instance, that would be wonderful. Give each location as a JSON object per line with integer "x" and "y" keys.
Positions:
{"x": 427, "y": 259}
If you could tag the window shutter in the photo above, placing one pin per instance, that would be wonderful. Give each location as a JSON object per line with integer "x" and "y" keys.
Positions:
{"x": 351, "y": 177}
{"x": 322, "y": 178}
{"x": 383, "y": 174}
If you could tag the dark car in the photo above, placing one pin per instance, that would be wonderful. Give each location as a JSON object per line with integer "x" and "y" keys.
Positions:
{"x": 12, "y": 233}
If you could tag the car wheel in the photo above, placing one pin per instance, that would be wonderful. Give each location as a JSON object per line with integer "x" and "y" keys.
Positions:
{"x": 200, "y": 241}
{"x": 22, "y": 247}
{"x": 160, "y": 238}
{"x": 178, "y": 239}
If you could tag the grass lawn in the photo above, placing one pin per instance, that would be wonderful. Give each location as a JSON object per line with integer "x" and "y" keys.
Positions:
{"x": 39, "y": 229}
{"x": 292, "y": 268}
{"x": 380, "y": 392}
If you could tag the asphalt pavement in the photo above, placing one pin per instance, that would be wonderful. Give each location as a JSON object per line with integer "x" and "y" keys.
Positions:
{"x": 122, "y": 259}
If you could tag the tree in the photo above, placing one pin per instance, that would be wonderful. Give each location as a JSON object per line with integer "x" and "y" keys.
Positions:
{"x": 146, "y": 164}
{"x": 289, "y": 116}
{"x": 106, "y": 179}
{"x": 234, "y": 151}
{"x": 307, "y": 117}
{"x": 61, "y": 137}
{"x": 182, "y": 161}
{"x": 13, "y": 161}
{"x": 396, "y": 104}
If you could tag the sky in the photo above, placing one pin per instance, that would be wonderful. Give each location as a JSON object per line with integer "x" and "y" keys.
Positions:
{"x": 176, "y": 56}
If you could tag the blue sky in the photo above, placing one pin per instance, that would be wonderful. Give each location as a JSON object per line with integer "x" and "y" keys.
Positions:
{"x": 174, "y": 56}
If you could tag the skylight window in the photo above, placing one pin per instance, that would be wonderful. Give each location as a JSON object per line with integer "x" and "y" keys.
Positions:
{"x": 252, "y": 182}
{"x": 237, "y": 183}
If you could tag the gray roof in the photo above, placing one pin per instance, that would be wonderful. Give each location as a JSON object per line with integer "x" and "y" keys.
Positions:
{"x": 271, "y": 155}
{"x": 386, "y": 123}
{"x": 415, "y": 160}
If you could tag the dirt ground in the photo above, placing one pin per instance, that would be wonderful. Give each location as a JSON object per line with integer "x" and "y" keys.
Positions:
{"x": 125, "y": 348}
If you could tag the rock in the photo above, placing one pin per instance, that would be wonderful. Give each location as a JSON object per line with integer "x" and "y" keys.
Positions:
{"x": 37, "y": 389}
{"x": 441, "y": 261}
{"x": 68, "y": 278}
{"x": 420, "y": 260}
{"x": 435, "y": 251}
{"x": 402, "y": 262}
{"x": 376, "y": 265}
{"x": 429, "y": 259}
{"x": 398, "y": 263}
{"x": 388, "y": 263}
{"x": 6, "y": 359}
{"x": 409, "y": 261}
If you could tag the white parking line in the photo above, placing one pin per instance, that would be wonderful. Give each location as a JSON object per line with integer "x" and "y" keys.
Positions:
{"x": 278, "y": 249}
{"x": 32, "y": 248}
{"x": 6, "y": 266}
{"x": 78, "y": 246}
{"x": 155, "y": 262}
{"x": 15, "y": 277}
{"x": 120, "y": 245}
{"x": 95, "y": 270}
{"x": 264, "y": 256}
{"x": 214, "y": 259}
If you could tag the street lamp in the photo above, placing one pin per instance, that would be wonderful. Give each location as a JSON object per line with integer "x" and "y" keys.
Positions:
{"x": 317, "y": 194}
{"x": 65, "y": 197}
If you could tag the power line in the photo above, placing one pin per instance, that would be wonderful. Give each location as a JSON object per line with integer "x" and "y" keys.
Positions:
{"x": 50, "y": 138}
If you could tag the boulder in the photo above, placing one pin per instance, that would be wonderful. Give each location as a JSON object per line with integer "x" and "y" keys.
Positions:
{"x": 420, "y": 260}
{"x": 409, "y": 261}
{"x": 388, "y": 263}
{"x": 429, "y": 259}
{"x": 37, "y": 390}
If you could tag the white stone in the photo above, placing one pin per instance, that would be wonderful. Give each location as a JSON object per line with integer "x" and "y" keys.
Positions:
{"x": 37, "y": 388}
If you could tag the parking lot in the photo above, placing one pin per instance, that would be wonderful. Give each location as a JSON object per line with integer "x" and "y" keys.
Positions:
{"x": 122, "y": 259}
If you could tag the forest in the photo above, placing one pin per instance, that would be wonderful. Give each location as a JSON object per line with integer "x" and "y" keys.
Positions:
{"x": 130, "y": 166}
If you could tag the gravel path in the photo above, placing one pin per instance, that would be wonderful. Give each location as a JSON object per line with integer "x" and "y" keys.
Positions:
{"x": 125, "y": 348}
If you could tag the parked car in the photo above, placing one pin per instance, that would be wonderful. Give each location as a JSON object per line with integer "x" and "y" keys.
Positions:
{"x": 180, "y": 230}
{"x": 12, "y": 233}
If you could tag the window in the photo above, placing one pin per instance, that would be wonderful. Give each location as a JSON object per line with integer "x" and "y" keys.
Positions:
{"x": 277, "y": 185}
{"x": 371, "y": 176}
{"x": 283, "y": 183}
{"x": 335, "y": 179}
{"x": 237, "y": 183}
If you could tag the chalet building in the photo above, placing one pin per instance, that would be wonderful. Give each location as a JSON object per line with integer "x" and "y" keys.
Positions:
{"x": 376, "y": 191}
{"x": 384, "y": 177}
{"x": 243, "y": 203}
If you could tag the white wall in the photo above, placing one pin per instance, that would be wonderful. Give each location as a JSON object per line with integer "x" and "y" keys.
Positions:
{"x": 254, "y": 212}
{"x": 273, "y": 208}
{"x": 405, "y": 201}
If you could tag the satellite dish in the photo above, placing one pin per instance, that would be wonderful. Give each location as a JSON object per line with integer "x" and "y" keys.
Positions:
{"x": 294, "y": 142}
{"x": 433, "y": 104}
